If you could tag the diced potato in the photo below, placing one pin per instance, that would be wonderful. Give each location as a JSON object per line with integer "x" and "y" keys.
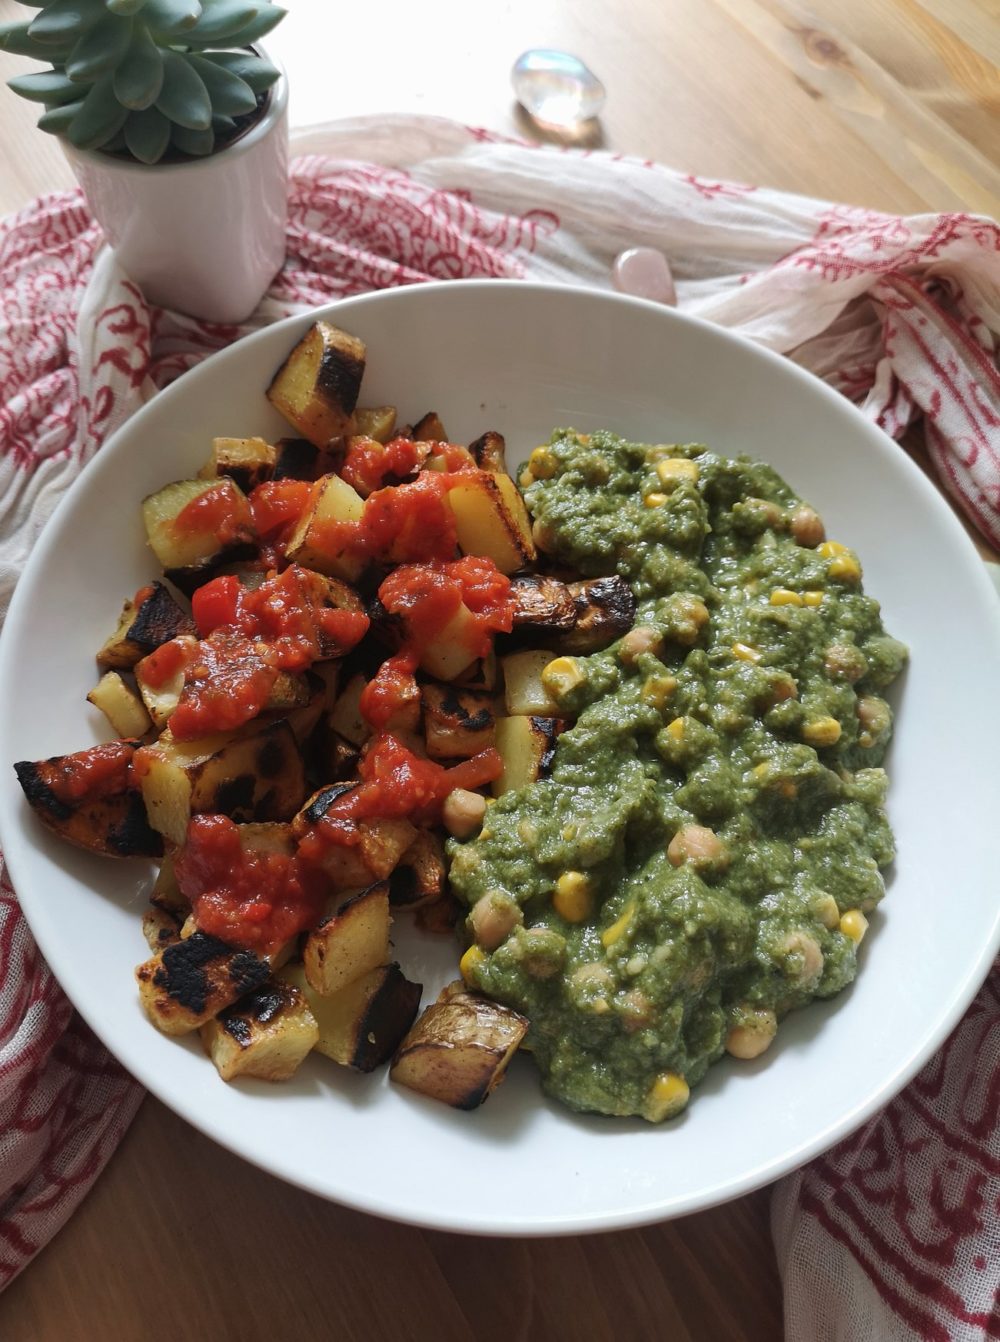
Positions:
{"x": 379, "y": 843}
{"x": 491, "y": 520}
{"x": 377, "y": 422}
{"x": 183, "y": 547}
{"x": 109, "y": 818}
{"x": 252, "y": 774}
{"x": 421, "y": 874}
{"x": 301, "y": 716}
{"x": 267, "y": 1034}
{"x": 166, "y": 894}
{"x": 526, "y": 746}
{"x": 542, "y": 605}
{"x": 350, "y": 942}
{"x": 160, "y": 927}
{"x": 524, "y": 693}
{"x": 318, "y": 541}
{"x": 459, "y": 1050}
{"x": 448, "y": 656}
{"x": 144, "y": 624}
{"x": 429, "y": 429}
{"x": 605, "y": 610}
{"x": 297, "y": 459}
{"x": 324, "y": 593}
{"x": 161, "y": 699}
{"x": 481, "y": 674}
{"x": 346, "y": 719}
{"x": 188, "y": 983}
{"x": 246, "y": 461}
{"x": 317, "y": 386}
{"x": 123, "y": 708}
{"x": 488, "y": 452}
{"x": 361, "y": 1025}
{"x": 441, "y": 916}
{"x": 457, "y": 723}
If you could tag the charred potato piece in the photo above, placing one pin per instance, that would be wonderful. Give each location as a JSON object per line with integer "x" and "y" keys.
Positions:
{"x": 523, "y": 689}
{"x": 316, "y": 388}
{"x": 350, "y": 942}
{"x": 105, "y": 816}
{"x": 489, "y": 453}
{"x": 318, "y": 541}
{"x": 255, "y": 773}
{"x": 361, "y": 1025}
{"x": 161, "y": 927}
{"x": 380, "y": 842}
{"x": 605, "y": 610}
{"x": 439, "y": 916}
{"x": 481, "y": 674}
{"x": 422, "y": 873}
{"x": 324, "y": 593}
{"x": 542, "y": 605}
{"x": 491, "y": 520}
{"x": 188, "y": 983}
{"x": 152, "y": 618}
{"x": 346, "y": 719}
{"x": 304, "y": 716}
{"x": 166, "y": 894}
{"x": 459, "y": 1050}
{"x": 185, "y": 541}
{"x": 526, "y": 746}
{"x": 458, "y": 723}
{"x": 246, "y": 461}
{"x": 376, "y": 422}
{"x": 297, "y": 459}
{"x": 123, "y": 708}
{"x": 429, "y": 429}
{"x": 161, "y": 699}
{"x": 267, "y": 1034}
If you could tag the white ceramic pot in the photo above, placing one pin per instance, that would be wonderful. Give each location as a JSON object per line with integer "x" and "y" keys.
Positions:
{"x": 205, "y": 236}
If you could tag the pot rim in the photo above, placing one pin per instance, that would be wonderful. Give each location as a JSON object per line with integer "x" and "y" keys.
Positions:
{"x": 273, "y": 114}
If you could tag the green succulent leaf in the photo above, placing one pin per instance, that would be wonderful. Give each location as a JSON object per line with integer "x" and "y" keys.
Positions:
{"x": 197, "y": 143}
{"x": 99, "y": 119}
{"x": 223, "y": 125}
{"x": 65, "y": 20}
{"x": 139, "y": 75}
{"x": 45, "y": 86}
{"x": 171, "y": 16}
{"x": 268, "y": 17}
{"x": 147, "y": 135}
{"x": 184, "y": 97}
{"x": 57, "y": 120}
{"x": 15, "y": 39}
{"x": 221, "y": 17}
{"x": 124, "y": 6}
{"x": 230, "y": 95}
{"x": 259, "y": 73}
{"x": 100, "y": 48}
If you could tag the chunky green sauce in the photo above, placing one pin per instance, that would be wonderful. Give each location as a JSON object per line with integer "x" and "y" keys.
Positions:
{"x": 716, "y": 809}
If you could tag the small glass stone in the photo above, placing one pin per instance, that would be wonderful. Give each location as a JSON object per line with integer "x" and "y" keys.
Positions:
{"x": 557, "y": 89}
{"x": 643, "y": 272}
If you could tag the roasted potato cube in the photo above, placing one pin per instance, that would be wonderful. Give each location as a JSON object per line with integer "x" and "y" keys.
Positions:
{"x": 605, "y": 610}
{"x": 303, "y": 717}
{"x": 297, "y": 459}
{"x": 542, "y": 605}
{"x": 377, "y": 422}
{"x": 161, "y": 927}
{"x": 524, "y": 693}
{"x": 361, "y": 1025}
{"x": 378, "y": 846}
{"x": 162, "y": 697}
{"x": 185, "y": 520}
{"x": 321, "y": 539}
{"x": 267, "y": 1034}
{"x": 316, "y": 388}
{"x": 526, "y": 746}
{"x": 459, "y": 1050}
{"x": 166, "y": 894}
{"x": 323, "y": 593}
{"x": 489, "y": 453}
{"x": 255, "y": 773}
{"x": 422, "y": 872}
{"x": 123, "y": 708}
{"x": 481, "y": 674}
{"x": 150, "y": 619}
{"x": 188, "y": 983}
{"x": 491, "y": 520}
{"x": 429, "y": 429}
{"x": 448, "y": 656}
{"x": 458, "y": 723}
{"x": 349, "y": 942}
{"x": 441, "y": 916}
{"x": 346, "y": 719}
{"x": 246, "y": 461}
{"x": 104, "y": 816}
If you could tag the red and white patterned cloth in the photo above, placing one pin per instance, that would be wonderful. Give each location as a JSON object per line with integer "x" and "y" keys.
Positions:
{"x": 896, "y": 1233}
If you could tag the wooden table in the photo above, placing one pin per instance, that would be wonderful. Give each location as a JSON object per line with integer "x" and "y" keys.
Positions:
{"x": 885, "y": 103}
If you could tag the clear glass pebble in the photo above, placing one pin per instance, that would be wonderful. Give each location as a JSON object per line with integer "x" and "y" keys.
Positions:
{"x": 644, "y": 272}
{"x": 557, "y": 89}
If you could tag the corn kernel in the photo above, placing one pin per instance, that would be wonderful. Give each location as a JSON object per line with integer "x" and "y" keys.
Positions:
{"x": 783, "y": 596}
{"x": 617, "y": 930}
{"x": 574, "y": 897}
{"x": 825, "y": 909}
{"x": 812, "y": 598}
{"x": 845, "y": 567}
{"x": 761, "y": 771}
{"x": 526, "y": 478}
{"x": 828, "y": 549}
{"x": 469, "y": 963}
{"x": 675, "y": 730}
{"x": 675, "y": 471}
{"x": 667, "y": 1096}
{"x": 745, "y": 653}
{"x": 655, "y": 500}
{"x": 561, "y": 675}
{"x": 854, "y": 924}
{"x": 821, "y": 732}
{"x": 657, "y": 690}
{"x": 542, "y": 464}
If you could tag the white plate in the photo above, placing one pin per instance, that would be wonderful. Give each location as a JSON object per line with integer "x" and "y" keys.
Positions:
{"x": 524, "y": 358}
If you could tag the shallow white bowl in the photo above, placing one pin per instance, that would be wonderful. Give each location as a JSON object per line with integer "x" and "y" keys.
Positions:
{"x": 522, "y": 359}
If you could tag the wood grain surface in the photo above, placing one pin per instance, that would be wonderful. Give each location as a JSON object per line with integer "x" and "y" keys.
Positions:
{"x": 893, "y": 104}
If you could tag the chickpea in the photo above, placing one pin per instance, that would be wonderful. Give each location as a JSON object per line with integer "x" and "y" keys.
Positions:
{"x": 643, "y": 638}
{"x": 690, "y": 615}
{"x": 542, "y": 536}
{"x": 807, "y": 526}
{"x": 874, "y": 718}
{"x": 541, "y": 951}
{"x": 493, "y": 918}
{"x": 843, "y": 661}
{"x": 803, "y": 957}
{"x": 752, "y": 1032}
{"x": 636, "y": 1010}
{"x": 699, "y": 846}
{"x": 463, "y": 812}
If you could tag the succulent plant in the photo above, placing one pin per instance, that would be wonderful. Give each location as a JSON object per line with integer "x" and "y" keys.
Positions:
{"x": 144, "y": 77}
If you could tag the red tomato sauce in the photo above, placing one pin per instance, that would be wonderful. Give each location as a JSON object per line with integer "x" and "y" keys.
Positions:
{"x": 101, "y": 771}
{"x": 428, "y": 597}
{"x": 369, "y": 465}
{"x": 228, "y": 684}
{"x": 164, "y": 662}
{"x": 218, "y": 511}
{"x": 277, "y": 505}
{"x": 253, "y": 900}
